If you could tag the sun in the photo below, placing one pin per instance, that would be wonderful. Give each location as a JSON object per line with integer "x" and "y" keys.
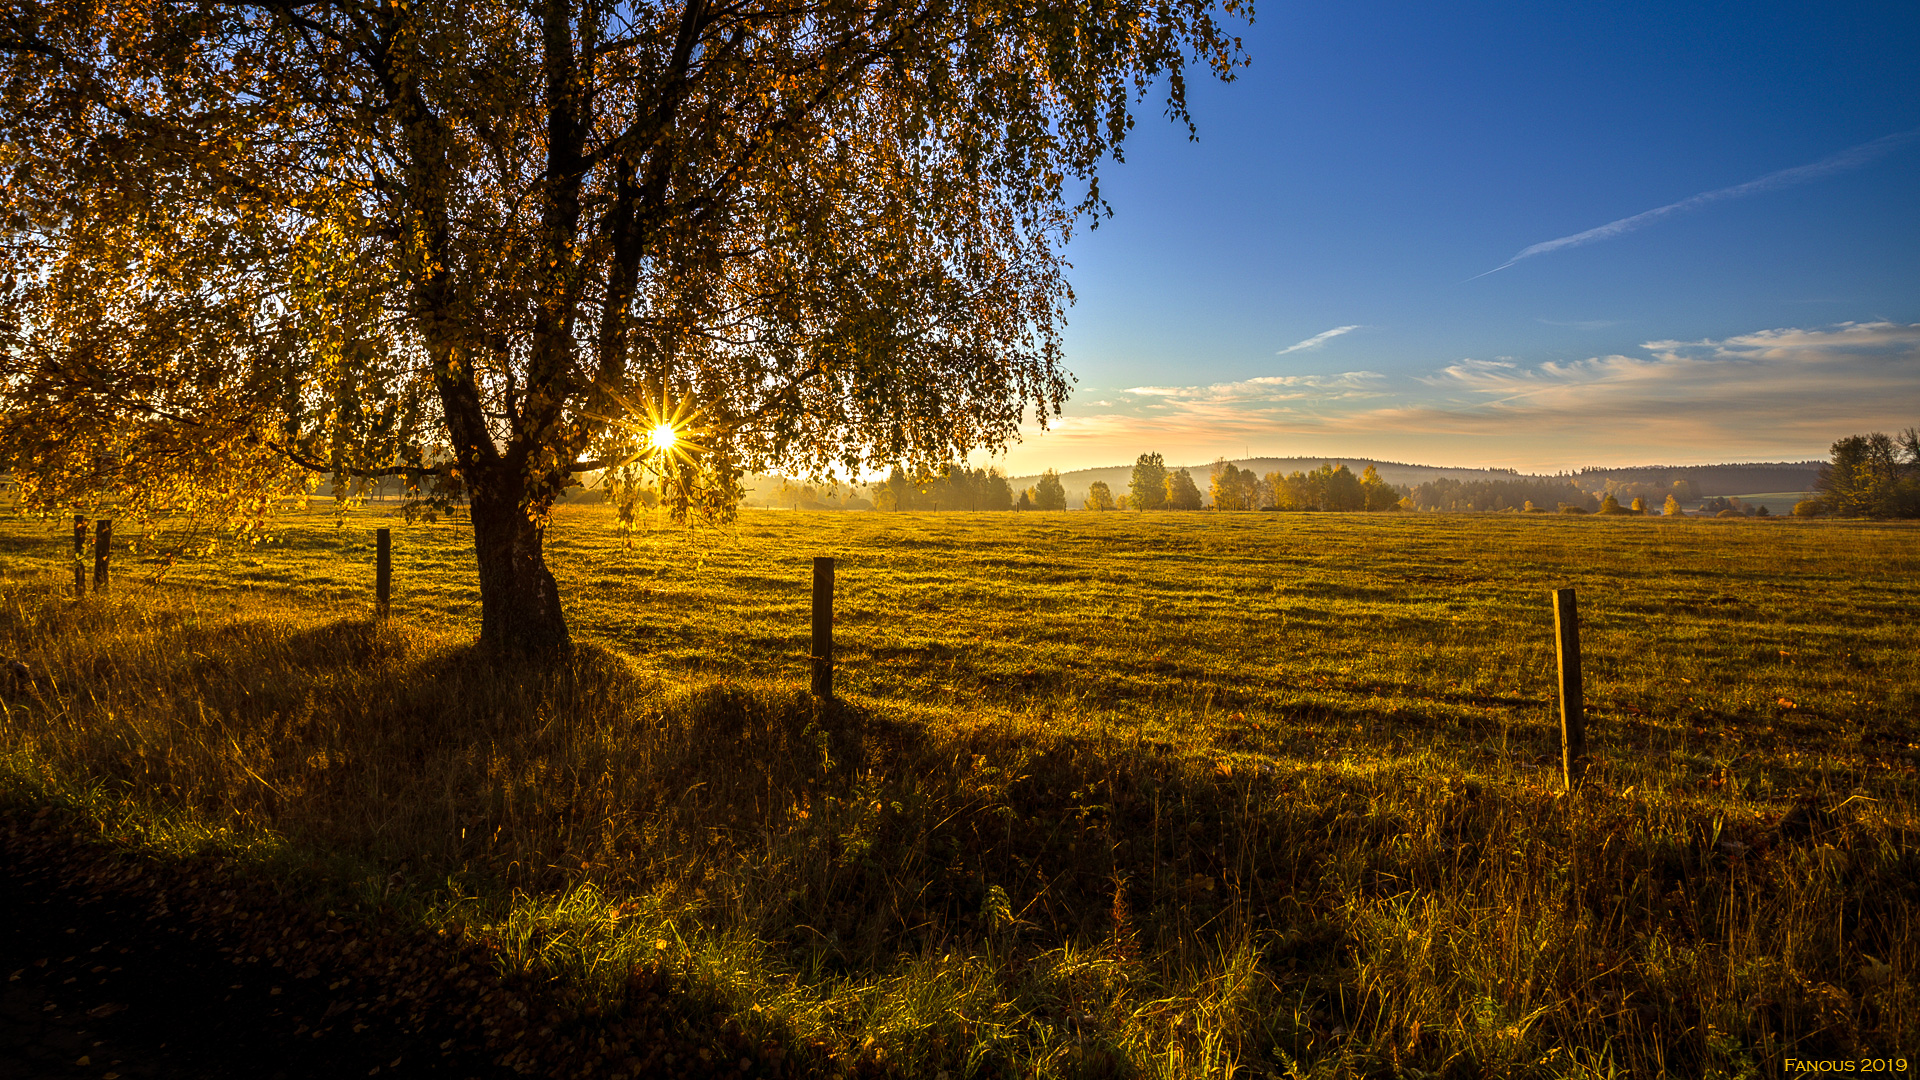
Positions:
{"x": 662, "y": 437}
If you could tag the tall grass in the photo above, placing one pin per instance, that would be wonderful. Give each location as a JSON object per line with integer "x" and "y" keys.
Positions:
{"x": 1112, "y": 796}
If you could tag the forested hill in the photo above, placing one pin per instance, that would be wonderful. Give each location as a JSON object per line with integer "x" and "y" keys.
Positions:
{"x": 1711, "y": 480}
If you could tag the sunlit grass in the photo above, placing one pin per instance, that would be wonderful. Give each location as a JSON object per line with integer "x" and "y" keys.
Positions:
{"x": 1173, "y": 795}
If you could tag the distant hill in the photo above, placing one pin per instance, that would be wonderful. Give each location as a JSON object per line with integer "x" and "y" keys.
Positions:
{"x": 1711, "y": 479}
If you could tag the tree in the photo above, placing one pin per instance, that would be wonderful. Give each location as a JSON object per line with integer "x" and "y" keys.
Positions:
{"x": 1182, "y": 492}
{"x": 1100, "y": 496}
{"x": 253, "y": 243}
{"x": 1639, "y": 505}
{"x": 1672, "y": 508}
{"x": 1049, "y": 493}
{"x": 895, "y": 493}
{"x": 1148, "y": 488}
{"x": 1872, "y": 475}
{"x": 1377, "y": 494}
{"x": 1233, "y": 488}
{"x": 996, "y": 493}
{"x": 1287, "y": 492}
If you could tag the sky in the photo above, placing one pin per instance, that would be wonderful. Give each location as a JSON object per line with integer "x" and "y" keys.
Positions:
{"x": 1512, "y": 235}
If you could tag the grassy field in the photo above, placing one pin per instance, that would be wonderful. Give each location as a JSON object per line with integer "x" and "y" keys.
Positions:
{"x": 1106, "y": 795}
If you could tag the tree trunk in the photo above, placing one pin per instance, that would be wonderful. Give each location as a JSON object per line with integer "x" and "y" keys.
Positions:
{"x": 519, "y": 600}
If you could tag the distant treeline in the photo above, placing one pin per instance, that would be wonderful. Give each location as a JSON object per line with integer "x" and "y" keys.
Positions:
{"x": 956, "y": 487}
{"x": 1708, "y": 480}
{"x": 1877, "y": 469}
{"x": 1539, "y": 492}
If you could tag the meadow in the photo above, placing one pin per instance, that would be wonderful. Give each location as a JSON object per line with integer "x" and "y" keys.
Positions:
{"x": 1116, "y": 794}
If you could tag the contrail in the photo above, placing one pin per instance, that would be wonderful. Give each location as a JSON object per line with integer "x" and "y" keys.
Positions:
{"x": 1864, "y": 154}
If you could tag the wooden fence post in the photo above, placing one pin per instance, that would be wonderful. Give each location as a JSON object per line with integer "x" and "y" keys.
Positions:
{"x": 79, "y": 556}
{"x": 102, "y": 540}
{"x": 383, "y": 572}
{"x": 1573, "y": 733}
{"x": 823, "y": 627}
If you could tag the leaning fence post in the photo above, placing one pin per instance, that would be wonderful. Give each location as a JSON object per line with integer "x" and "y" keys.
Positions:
{"x": 102, "y": 540}
{"x": 382, "y": 571}
{"x": 823, "y": 626}
{"x": 1573, "y": 735}
{"x": 79, "y": 556}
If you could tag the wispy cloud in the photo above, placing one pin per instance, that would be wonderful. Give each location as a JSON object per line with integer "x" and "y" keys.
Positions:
{"x": 1851, "y": 158}
{"x": 1319, "y": 339}
{"x": 1269, "y": 388}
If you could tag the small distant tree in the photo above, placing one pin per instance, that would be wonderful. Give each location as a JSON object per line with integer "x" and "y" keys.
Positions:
{"x": 1284, "y": 492}
{"x": 1182, "y": 492}
{"x": 996, "y": 494}
{"x": 1100, "y": 496}
{"x": 1234, "y": 488}
{"x": 1148, "y": 488}
{"x": 896, "y": 493}
{"x": 1639, "y": 505}
{"x": 1807, "y": 508}
{"x": 1672, "y": 508}
{"x": 1049, "y": 493}
{"x": 1377, "y": 494}
{"x": 1026, "y": 500}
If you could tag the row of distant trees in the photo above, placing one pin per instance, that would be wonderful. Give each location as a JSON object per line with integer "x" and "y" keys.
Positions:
{"x": 956, "y": 487}
{"x": 1873, "y": 475}
{"x": 1330, "y": 487}
{"x": 1153, "y": 486}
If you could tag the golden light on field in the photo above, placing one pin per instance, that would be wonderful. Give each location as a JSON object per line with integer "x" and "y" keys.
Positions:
{"x": 662, "y": 437}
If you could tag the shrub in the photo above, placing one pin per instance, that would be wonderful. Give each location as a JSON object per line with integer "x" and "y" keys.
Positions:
{"x": 1807, "y": 508}
{"x": 1569, "y": 508}
{"x": 1729, "y": 513}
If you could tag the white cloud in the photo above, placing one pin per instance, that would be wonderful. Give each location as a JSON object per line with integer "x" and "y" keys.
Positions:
{"x": 1319, "y": 339}
{"x": 1767, "y": 395}
{"x": 1269, "y": 388}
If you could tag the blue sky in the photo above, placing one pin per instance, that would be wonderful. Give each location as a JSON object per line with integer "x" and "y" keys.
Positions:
{"x": 1377, "y": 157}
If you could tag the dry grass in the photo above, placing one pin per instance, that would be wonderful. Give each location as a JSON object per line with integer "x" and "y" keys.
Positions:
{"x": 1108, "y": 795}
